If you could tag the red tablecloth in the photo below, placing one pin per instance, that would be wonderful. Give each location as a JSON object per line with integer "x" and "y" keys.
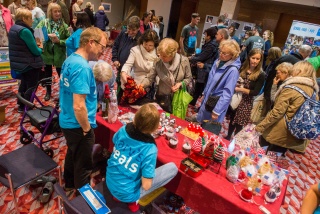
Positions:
{"x": 208, "y": 193}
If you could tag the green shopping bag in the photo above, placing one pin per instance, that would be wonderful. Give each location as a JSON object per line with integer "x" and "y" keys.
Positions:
{"x": 180, "y": 102}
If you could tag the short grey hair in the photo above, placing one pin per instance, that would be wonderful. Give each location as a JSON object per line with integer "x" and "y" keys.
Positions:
{"x": 102, "y": 71}
{"x": 224, "y": 32}
{"x": 305, "y": 50}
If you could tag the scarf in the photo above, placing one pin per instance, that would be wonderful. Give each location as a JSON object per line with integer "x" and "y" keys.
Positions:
{"x": 21, "y": 23}
{"x": 55, "y": 27}
{"x": 149, "y": 56}
{"x": 171, "y": 68}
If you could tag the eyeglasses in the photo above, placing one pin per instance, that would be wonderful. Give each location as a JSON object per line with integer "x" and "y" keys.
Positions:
{"x": 103, "y": 47}
{"x": 223, "y": 53}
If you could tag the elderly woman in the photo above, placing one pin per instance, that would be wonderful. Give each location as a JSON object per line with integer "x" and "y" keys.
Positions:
{"x": 172, "y": 69}
{"x": 103, "y": 75}
{"x": 252, "y": 74}
{"x": 25, "y": 53}
{"x": 88, "y": 10}
{"x": 284, "y": 71}
{"x": 55, "y": 48}
{"x": 82, "y": 22}
{"x": 100, "y": 19}
{"x": 141, "y": 60}
{"x": 37, "y": 13}
{"x": 224, "y": 69}
{"x": 287, "y": 101}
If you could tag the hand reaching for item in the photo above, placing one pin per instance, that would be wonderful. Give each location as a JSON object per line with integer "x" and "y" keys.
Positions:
{"x": 124, "y": 77}
{"x": 200, "y": 64}
{"x": 214, "y": 116}
{"x": 117, "y": 64}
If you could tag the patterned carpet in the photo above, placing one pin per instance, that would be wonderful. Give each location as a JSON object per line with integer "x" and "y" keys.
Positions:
{"x": 304, "y": 171}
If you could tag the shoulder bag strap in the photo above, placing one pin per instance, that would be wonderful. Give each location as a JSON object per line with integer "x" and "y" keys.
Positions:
{"x": 299, "y": 90}
{"x": 177, "y": 70}
{"x": 217, "y": 84}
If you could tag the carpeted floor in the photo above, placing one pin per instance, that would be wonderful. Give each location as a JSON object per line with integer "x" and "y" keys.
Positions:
{"x": 304, "y": 170}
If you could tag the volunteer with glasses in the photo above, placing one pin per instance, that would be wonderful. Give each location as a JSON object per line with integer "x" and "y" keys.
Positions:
{"x": 228, "y": 63}
{"x": 54, "y": 51}
{"x": 122, "y": 45}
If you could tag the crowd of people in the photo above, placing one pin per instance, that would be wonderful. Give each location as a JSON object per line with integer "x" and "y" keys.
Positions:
{"x": 224, "y": 66}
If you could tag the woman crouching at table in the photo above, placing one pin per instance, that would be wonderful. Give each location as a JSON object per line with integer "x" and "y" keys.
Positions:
{"x": 172, "y": 69}
{"x": 131, "y": 171}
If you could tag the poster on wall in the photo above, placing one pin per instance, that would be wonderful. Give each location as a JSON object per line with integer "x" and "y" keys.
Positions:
{"x": 241, "y": 27}
{"x": 303, "y": 33}
{"x": 5, "y": 71}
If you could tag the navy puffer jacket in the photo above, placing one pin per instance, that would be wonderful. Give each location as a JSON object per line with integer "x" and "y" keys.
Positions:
{"x": 101, "y": 20}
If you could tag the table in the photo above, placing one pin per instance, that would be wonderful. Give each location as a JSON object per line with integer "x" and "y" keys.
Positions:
{"x": 208, "y": 193}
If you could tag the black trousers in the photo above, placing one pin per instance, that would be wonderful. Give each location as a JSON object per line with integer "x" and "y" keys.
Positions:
{"x": 28, "y": 83}
{"x": 48, "y": 73}
{"x": 78, "y": 162}
{"x": 199, "y": 87}
{"x": 236, "y": 127}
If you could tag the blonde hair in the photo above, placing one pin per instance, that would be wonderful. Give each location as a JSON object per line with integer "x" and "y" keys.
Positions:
{"x": 88, "y": 4}
{"x": 51, "y": 7}
{"x": 305, "y": 69}
{"x": 271, "y": 36}
{"x": 246, "y": 65}
{"x": 23, "y": 13}
{"x": 232, "y": 47}
{"x": 102, "y": 71}
{"x": 91, "y": 33}
{"x": 168, "y": 47}
{"x": 285, "y": 68}
{"x": 101, "y": 7}
{"x": 147, "y": 119}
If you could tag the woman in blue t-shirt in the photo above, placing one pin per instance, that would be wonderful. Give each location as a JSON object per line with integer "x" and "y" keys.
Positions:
{"x": 131, "y": 171}
{"x": 82, "y": 22}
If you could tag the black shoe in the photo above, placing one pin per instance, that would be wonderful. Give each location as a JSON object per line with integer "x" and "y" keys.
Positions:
{"x": 47, "y": 97}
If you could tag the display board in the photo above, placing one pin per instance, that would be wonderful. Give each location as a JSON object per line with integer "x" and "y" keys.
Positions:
{"x": 241, "y": 27}
{"x": 5, "y": 71}
{"x": 303, "y": 33}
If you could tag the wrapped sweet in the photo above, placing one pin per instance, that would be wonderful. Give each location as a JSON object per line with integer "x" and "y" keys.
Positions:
{"x": 265, "y": 168}
{"x": 231, "y": 161}
{"x": 268, "y": 178}
{"x": 218, "y": 155}
{"x": 249, "y": 169}
{"x": 232, "y": 173}
{"x": 245, "y": 161}
{"x": 240, "y": 154}
{"x": 241, "y": 176}
{"x": 254, "y": 183}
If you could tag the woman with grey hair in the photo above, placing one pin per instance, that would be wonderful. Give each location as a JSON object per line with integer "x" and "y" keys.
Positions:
{"x": 273, "y": 128}
{"x": 54, "y": 51}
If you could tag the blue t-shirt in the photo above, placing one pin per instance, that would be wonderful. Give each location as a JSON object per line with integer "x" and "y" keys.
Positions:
{"x": 76, "y": 78}
{"x": 73, "y": 42}
{"x": 130, "y": 160}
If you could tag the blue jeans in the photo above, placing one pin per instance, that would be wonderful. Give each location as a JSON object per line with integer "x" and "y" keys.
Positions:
{"x": 164, "y": 174}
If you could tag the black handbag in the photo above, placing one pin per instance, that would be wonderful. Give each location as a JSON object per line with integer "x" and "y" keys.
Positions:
{"x": 165, "y": 102}
{"x": 213, "y": 100}
{"x": 211, "y": 126}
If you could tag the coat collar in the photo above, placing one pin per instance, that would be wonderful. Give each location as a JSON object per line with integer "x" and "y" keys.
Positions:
{"x": 298, "y": 80}
{"x": 137, "y": 135}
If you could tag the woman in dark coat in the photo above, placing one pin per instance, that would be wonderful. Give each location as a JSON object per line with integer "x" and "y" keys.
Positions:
{"x": 89, "y": 12}
{"x": 100, "y": 19}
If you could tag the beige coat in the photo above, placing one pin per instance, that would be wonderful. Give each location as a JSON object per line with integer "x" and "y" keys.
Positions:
{"x": 139, "y": 64}
{"x": 287, "y": 102}
{"x": 165, "y": 83}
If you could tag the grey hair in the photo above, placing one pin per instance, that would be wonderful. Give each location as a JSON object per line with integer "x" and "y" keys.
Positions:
{"x": 102, "y": 71}
{"x": 224, "y": 32}
{"x": 305, "y": 50}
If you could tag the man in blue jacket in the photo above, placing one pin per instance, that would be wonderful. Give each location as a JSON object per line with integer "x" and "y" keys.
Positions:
{"x": 121, "y": 48}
